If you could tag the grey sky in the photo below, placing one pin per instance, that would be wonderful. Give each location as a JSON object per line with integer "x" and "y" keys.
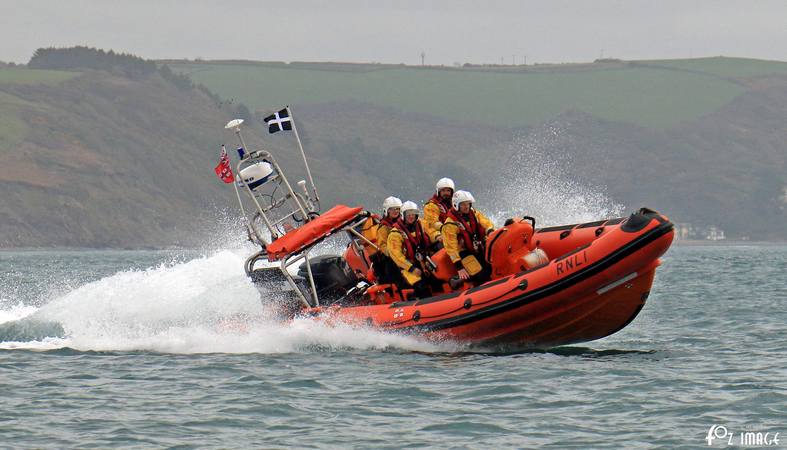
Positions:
{"x": 397, "y": 31}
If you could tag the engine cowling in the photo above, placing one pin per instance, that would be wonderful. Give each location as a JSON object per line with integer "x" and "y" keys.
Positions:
{"x": 511, "y": 249}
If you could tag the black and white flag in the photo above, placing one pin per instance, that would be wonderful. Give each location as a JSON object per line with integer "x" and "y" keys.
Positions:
{"x": 279, "y": 121}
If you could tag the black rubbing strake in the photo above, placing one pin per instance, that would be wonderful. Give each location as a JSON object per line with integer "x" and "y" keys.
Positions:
{"x": 592, "y": 224}
{"x": 560, "y": 228}
{"x": 635, "y": 223}
{"x": 576, "y": 250}
{"x": 488, "y": 285}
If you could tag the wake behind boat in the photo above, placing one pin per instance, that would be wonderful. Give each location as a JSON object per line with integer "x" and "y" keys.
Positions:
{"x": 548, "y": 286}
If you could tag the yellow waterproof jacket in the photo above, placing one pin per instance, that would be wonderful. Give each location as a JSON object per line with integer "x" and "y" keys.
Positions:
{"x": 451, "y": 235}
{"x": 432, "y": 216}
{"x": 382, "y": 237}
{"x": 396, "y": 250}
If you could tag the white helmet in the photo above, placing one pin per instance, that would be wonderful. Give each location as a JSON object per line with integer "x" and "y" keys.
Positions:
{"x": 409, "y": 206}
{"x": 444, "y": 183}
{"x": 461, "y": 196}
{"x": 391, "y": 202}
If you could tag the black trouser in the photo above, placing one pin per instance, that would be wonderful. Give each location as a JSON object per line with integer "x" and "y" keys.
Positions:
{"x": 421, "y": 289}
{"x": 427, "y": 286}
{"x": 386, "y": 271}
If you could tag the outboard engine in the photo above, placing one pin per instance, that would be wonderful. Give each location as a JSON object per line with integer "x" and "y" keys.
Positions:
{"x": 512, "y": 249}
{"x": 333, "y": 278}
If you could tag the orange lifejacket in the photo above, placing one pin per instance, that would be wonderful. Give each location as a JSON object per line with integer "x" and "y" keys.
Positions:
{"x": 441, "y": 204}
{"x": 418, "y": 244}
{"x": 470, "y": 231}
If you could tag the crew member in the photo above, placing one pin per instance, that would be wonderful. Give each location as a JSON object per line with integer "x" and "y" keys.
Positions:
{"x": 384, "y": 268}
{"x": 436, "y": 208}
{"x": 409, "y": 244}
{"x": 391, "y": 211}
{"x": 464, "y": 237}
{"x": 368, "y": 229}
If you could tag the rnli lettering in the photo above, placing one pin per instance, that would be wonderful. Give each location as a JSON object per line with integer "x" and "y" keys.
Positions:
{"x": 572, "y": 262}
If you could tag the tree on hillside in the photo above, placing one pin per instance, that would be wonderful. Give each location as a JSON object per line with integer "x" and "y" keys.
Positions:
{"x": 180, "y": 80}
{"x": 91, "y": 58}
{"x": 76, "y": 58}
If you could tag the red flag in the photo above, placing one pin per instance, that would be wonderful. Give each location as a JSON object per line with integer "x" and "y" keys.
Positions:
{"x": 223, "y": 170}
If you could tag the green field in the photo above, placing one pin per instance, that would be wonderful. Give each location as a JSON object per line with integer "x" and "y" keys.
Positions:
{"x": 647, "y": 93}
{"x": 726, "y": 67}
{"x": 20, "y": 75}
{"x": 12, "y": 129}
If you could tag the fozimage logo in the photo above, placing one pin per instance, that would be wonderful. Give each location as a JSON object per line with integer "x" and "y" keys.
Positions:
{"x": 720, "y": 434}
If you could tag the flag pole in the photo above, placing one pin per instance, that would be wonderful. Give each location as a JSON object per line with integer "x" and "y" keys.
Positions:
{"x": 235, "y": 183}
{"x": 250, "y": 228}
{"x": 237, "y": 194}
{"x": 303, "y": 154}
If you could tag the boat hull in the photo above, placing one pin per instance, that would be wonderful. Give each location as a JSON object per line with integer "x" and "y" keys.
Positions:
{"x": 593, "y": 290}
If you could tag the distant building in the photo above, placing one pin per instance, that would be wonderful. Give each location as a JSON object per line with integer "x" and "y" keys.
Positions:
{"x": 686, "y": 231}
{"x": 715, "y": 234}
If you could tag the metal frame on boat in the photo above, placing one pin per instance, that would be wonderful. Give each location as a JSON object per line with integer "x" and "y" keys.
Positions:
{"x": 277, "y": 214}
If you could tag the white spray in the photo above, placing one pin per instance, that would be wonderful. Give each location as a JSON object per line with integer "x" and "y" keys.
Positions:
{"x": 208, "y": 305}
{"x": 534, "y": 183}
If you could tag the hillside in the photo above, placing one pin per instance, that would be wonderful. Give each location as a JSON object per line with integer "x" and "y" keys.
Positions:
{"x": 701, "y": 139}
{"x": 101, "y": 157}
{"x": 95, "y": 159}
{"x": 98, "y": 159}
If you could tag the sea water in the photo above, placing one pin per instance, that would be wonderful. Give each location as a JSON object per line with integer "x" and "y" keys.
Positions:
{"x": 154, "y": 349}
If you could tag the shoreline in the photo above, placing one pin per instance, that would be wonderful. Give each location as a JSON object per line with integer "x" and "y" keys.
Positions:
{"x": 95, "y": 249}
{"x": 726, "y": 243}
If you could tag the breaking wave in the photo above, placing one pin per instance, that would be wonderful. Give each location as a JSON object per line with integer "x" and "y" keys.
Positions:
{"x": 206, "y": 305}
{"x": 535, "y": 183}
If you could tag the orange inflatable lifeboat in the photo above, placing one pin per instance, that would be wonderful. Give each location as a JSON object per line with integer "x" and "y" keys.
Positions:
{"x": 550, "y": 286}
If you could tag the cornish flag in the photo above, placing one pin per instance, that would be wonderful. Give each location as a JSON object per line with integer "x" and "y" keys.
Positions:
{"x": 279, "y": 121}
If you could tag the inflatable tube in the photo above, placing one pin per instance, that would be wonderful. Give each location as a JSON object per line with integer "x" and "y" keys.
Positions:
{"x": 597, "y": 280}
